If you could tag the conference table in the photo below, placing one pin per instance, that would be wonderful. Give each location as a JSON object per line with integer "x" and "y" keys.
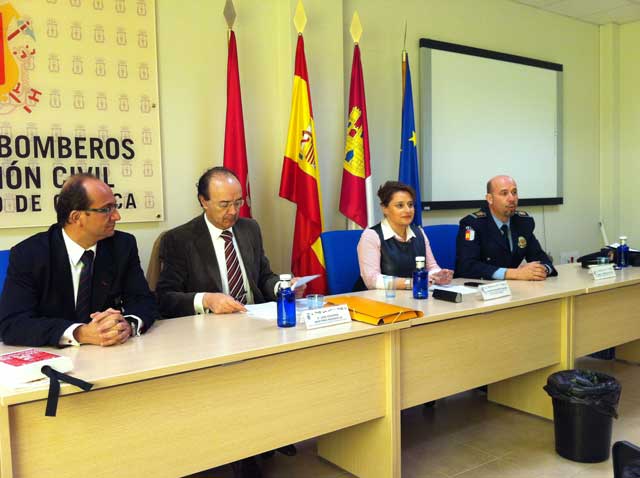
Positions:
{"x": 200, "y": 391}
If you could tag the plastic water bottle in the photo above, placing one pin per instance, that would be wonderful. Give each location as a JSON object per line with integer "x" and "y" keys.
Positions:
{"x": 420, "y": 280}
{"x": 623, "y": 253}
{"x": 286, "y": 303}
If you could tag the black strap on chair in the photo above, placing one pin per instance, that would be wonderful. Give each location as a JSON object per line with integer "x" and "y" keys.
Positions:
{"x": 55, "y": 378}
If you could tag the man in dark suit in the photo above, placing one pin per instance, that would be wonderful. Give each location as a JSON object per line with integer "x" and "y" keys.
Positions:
{"x": 216, "y": 261}
{"x": 493, "y": 242}
{"x": 79, "y": 282}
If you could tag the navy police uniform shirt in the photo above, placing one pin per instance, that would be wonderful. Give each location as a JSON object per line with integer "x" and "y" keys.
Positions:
{"x": 481, "y": 248}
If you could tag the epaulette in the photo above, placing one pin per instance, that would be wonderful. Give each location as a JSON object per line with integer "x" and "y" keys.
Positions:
{"x": 478, "y": 214}
{"x": 522, "y": 213}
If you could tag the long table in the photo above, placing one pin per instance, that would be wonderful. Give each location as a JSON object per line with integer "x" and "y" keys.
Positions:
{"x": 201, "y": 391}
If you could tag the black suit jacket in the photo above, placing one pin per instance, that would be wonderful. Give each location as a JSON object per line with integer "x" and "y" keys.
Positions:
{"x": 189, "y": 265}
{"x": 481, "y": 249}
{"x": 37, "y": 303}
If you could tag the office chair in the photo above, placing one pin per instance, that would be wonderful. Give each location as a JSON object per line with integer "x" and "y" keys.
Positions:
{"x": 4, "y": 263}
{"x": 341, "y": 259}
{"x": 442, "y": 238}
{"x": 153, "y": 271}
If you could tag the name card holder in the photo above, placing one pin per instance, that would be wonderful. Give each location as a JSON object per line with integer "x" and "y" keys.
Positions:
{"x": 494, "y": 290}
{"x": 603, "y": 271}
{"x": 326, "y": 316}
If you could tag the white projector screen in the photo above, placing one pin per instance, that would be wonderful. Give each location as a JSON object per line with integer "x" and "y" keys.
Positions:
{"x": 485, "y": 113}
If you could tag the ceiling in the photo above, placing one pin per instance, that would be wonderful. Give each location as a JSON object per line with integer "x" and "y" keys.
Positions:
{"x": 598, "y": 12}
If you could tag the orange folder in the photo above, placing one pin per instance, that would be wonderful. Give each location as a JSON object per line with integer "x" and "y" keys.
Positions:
{"x": 374, "y": 312}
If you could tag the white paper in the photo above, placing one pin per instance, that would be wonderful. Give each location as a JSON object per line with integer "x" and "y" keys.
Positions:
{"x": 300, "y": 281}
{"x": 461, "y": 289}
{"x": 268, "y": 310}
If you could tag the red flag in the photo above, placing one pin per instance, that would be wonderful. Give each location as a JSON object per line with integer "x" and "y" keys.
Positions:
{"x": 300, "y": 181}
{"x": 235, "y": 149}
{"x": 356, "y": 198}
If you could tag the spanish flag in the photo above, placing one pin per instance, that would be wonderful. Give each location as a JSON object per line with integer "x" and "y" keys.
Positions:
{"x": 300, "y": 181}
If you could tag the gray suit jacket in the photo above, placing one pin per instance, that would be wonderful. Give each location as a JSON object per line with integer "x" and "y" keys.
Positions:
{"x": 189, "y": 265}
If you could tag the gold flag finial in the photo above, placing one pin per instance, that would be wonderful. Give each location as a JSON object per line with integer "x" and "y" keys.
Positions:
{"x": 356, "y": 27}
{"x": 300, "y": 18}
{"x": 229, "y": 13}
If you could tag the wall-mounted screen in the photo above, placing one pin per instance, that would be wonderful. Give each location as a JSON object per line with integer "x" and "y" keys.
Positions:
{"x": 485, "y": 113}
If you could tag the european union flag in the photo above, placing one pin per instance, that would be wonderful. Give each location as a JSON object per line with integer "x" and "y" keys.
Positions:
{"x": 409, "y": 171}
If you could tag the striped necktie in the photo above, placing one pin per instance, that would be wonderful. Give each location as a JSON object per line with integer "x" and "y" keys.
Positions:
{"x": 234, "y": 273}
{"x": 83, "y": 301}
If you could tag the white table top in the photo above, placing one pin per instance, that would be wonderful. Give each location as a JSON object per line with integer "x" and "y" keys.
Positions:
{"x": 194, "y": 342}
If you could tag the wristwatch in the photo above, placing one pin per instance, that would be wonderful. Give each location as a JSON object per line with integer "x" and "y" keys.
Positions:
{"x": 134, "y": 325}
{"x": 407, "y": 284}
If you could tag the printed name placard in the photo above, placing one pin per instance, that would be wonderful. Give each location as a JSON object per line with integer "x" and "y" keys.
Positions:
{"x": 326, "y": 316}
{"x": 603, "y": 271}
{"x": 494, "y": 290}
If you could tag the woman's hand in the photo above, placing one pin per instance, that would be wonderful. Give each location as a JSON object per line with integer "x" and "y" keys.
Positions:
{"x": 442, "y": 277}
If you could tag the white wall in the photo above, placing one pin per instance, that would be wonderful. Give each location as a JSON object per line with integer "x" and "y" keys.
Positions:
{"x": 501, "y": 26}
{"x": 192, "y": 68}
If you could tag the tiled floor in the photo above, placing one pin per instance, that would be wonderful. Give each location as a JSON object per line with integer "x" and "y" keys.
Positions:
{"x": 465, "y": 436}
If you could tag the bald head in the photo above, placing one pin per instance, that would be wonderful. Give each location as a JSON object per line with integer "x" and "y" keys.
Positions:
{"x": 491, "y": 184}
{"x": 502, "y": 196}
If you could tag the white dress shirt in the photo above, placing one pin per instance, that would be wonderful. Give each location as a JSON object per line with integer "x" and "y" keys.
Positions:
{"x": 218, "y": 247}
{"x": 75, "y": 251}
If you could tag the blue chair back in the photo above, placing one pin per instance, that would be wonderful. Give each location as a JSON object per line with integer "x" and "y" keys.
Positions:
{"x": 4, "y": 263}
{"x": 341, "y": 259}
{"x": 442, "y": 238}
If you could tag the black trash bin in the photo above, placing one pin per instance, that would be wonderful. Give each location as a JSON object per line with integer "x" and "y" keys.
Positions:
{"x": 632, "y": 470}
{"x": 584, "y": 405}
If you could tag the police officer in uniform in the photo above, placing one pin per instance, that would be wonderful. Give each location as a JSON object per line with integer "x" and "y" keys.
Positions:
{"x": 493, "y": 241}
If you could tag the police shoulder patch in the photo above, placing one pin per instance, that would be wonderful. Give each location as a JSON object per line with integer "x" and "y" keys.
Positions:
{"x": 478, "y": 214}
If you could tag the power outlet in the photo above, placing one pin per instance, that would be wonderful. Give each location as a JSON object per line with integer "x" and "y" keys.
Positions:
{"x": 569, "y": 257}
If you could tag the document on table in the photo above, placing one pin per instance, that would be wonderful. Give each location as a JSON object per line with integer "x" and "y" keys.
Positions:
{"x": 269, "y": 310}
{"x": 461, "y": 289}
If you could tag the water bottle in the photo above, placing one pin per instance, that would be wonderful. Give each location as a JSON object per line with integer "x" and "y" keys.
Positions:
{"x": 623, "y": 253}
{"x": 286, "y": 303}
{"x": 420, "y": 279}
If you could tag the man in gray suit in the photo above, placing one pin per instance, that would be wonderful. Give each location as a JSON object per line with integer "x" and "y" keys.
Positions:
{"x": 216, "y": 261}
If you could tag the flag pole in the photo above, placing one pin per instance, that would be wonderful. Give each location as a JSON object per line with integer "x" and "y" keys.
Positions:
{"x": 356, "y": 32}
{"x": 404, "y": 60}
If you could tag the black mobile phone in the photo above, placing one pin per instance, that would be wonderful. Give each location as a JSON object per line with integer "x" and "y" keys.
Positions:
{"x": 473, "y": 284}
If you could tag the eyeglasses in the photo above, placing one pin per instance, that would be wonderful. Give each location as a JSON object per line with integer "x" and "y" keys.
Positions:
{"x": 103, "y": 210}
{"x": 238, "y": 203}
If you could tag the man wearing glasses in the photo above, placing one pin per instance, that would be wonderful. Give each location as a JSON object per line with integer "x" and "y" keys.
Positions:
{"x": 80, "y": 282}
{"x": 216, "y": 261}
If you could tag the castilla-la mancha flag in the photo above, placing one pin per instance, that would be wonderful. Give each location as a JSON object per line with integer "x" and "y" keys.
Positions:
{"x": 356, "y": 198}
{"x": 235, "y": 148}
{"x": 300, "y": 182}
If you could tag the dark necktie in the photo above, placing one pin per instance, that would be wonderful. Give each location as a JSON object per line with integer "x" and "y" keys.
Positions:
{"x": 83, "y": 301}
{"x": 234, "y": 274}
{"x": 505, "y": 234}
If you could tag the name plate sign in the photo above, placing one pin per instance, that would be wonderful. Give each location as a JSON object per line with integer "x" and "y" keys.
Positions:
{"x": 326, "y": 316}
{"x": 495, "y": 290}
{"x": 604, "y": 271}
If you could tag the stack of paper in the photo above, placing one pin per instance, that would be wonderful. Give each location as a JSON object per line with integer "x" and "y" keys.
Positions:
{"x": 24, "y": 365}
